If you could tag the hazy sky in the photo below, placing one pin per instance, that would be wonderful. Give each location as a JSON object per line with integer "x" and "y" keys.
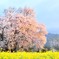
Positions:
{"x": 47, "y": 11}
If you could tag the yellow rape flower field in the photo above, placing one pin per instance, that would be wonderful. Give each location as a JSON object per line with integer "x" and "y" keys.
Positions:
{"x": 29, "y": 55}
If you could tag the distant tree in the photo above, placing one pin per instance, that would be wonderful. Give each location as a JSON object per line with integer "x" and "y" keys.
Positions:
{"x": 21, "y": 31}
{"x": 52, "y": 42}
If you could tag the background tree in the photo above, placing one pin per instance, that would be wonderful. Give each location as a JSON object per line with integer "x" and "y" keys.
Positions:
{"x": 21, "y": 31}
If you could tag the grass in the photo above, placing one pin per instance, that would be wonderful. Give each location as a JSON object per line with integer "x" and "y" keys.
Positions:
{"x": 29, "y": 55}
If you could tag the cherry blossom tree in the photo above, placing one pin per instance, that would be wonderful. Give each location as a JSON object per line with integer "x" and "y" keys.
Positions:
{"x": 21, "y": 31}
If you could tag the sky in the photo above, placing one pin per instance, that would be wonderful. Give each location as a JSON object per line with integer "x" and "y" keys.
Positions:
{"x": 47, "y": 11}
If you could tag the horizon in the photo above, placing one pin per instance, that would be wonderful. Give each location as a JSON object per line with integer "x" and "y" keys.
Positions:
{"x": 47, "y": 12}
